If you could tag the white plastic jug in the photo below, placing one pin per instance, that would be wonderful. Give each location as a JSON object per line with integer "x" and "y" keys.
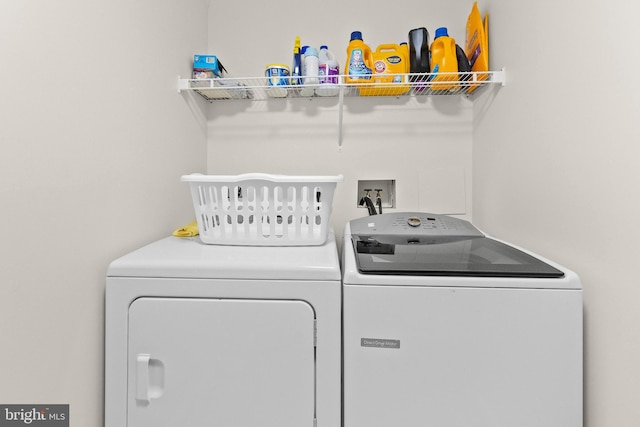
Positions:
{"x": 328, "y": 71}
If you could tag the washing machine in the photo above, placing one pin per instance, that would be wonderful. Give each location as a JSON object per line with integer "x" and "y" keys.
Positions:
{"x": 444, "y": 326}
{"x": 235, "y": 336}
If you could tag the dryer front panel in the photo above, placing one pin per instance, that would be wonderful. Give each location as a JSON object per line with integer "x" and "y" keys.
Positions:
{"x": 221, "y": 362}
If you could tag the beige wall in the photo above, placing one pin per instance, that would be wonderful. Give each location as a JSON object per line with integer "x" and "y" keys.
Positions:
{"x": 93, "y": 140}
{"x": 555, "y": 169}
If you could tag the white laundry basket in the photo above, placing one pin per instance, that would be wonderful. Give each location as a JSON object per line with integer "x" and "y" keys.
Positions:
{"x": 261, "y": 209}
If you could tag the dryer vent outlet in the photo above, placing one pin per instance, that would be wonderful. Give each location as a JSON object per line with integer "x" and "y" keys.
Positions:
{"x": 383, "y": 189}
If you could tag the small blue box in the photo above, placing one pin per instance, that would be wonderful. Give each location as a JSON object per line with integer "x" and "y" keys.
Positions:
{"x": 207, "y": 67}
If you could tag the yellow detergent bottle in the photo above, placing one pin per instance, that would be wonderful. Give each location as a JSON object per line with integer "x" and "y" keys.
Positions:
{"x": 390, "y": 64}
{"x": 444, "y": 61}
{"x": 359, "y": 60}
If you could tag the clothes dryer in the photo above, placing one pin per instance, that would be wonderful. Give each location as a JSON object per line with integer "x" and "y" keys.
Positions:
{"x": 446, "y": 327}
{"x": 204, "y": 335}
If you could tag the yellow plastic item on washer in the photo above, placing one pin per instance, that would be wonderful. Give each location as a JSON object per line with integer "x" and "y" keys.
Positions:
{"x": 188, "y": 230}
{"x": 477, "y": 43}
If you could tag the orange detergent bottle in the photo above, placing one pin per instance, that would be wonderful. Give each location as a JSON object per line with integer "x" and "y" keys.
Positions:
{"x": 444, "y": 61}
{"x": 359, "y": 60}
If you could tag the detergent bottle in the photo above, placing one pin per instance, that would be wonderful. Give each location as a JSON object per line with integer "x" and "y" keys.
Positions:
{"x": 444, "y": 60}
{"x": 464, "y": 66}
{"x": 419, "y": 53}
{"x": 359, "y": 60}
{"x": 311, "y": 72}
{"x": 404, "y": 47}
{"x": 328, "y": 70}
{"x": 388, "y": 63}
{"x": 303, "y": 50}
{"x": 389, "y": 71}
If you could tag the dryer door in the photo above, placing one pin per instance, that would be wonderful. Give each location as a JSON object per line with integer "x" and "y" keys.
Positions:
{"x": 221, "y": 362}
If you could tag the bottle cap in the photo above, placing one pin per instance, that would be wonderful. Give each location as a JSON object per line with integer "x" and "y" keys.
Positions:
{"x": 324, "y": 46}
{"x": 304, "y": 49}
{"x": 442, "y": 31}
{"x": 311, "y": 51}
{"x": 356, "y": 35}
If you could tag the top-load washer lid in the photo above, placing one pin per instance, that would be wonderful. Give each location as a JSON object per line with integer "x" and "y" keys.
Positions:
{"x": 437, "y": 245}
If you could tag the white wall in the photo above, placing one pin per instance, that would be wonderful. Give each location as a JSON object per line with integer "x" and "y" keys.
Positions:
{"x": 555, "y": 170}
{"x": 424, "y": 144}
{"x": 93, "y": 140}
{"x": 415, "y": 144}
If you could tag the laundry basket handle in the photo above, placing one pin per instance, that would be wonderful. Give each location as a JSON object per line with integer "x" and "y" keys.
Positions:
{"x": 260, "y": 177}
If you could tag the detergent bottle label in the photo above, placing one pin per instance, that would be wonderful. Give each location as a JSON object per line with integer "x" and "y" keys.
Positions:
{"x": 357, "y": 67}
{"x": 328, "y": 74}
{"x": 380, "y": 67}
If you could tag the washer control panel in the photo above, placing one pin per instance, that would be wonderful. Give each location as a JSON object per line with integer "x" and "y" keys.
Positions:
{"x": 413, "y": 223}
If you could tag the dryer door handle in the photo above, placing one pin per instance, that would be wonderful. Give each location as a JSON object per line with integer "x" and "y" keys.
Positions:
{"x": 149, "y": 378}
{"x": 142, "y": 377}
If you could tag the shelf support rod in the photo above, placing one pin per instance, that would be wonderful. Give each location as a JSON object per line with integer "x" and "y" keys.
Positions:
{"x": 340, "y": 107}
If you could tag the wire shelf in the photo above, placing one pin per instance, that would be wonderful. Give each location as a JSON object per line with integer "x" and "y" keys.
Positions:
{"x": 423, "y": 84}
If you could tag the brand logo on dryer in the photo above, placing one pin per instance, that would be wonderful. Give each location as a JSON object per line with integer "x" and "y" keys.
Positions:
{"x": 379, "y": 343}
